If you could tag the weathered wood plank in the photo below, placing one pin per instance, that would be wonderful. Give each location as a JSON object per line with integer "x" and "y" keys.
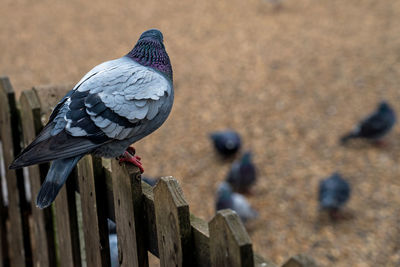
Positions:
{"x": 18, "y": 211}
{"x": 67, "y": 224}
{"x": 93, "y": 204}
{"x": 49, "y": 96}
{"x": 128, "y": 200}
{"x": 66, "y": 217}
{"x": 201, "y": 241}
{"x": 4, "y": 254}
{"x": 300, "y": 260}
{"x": 150, "y": 219}
{"x": 173, "y": 224}
{"x": 230, "y": 245}
{"x": 43, "y": 250}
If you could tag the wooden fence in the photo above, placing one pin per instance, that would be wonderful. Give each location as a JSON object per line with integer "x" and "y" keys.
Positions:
{"x": 155, "y": 220}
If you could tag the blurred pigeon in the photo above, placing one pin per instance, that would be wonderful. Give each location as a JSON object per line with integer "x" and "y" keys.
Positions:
{"x": 113, "y": 243}
{"x": 334, "y": 192}
{"x": 114, "y": 105}
{"x": 150, "y": 181}
{"x": 226, "y": 142}
{"x": 227, "y": 199}
{"x": 242, "y": 174}
{"x": 375, "y": 126}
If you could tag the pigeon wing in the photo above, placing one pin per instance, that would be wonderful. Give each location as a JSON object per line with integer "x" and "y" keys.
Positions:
{"x": 114, "y": 101}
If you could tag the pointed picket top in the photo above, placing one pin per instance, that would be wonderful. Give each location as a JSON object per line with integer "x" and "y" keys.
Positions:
{"x": 173, "y": 224}
{"x": 230, "y": 245}
{"x": 300, "y": 260}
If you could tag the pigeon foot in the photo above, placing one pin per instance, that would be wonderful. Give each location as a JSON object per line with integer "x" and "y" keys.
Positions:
{"x": 129, "y": 156}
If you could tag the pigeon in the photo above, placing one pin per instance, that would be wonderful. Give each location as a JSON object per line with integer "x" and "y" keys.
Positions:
{"x": 334, "y": 192}
{"x": 227, "y": 142}
{"x": 227, "y": 199}
{"x": 113, "y": 106}
{"x": 375, "y": 126}
{"x": 242, "y": 174}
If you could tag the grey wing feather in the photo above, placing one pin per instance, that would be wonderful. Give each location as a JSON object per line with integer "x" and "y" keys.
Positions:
{"x": 133, "y": 93}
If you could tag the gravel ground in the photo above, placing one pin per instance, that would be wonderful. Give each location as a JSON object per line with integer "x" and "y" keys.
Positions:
{"x": 291, "y": 78}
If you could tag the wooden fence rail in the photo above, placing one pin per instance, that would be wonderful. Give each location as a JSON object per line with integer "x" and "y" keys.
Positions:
{"x": 155, "y": 220}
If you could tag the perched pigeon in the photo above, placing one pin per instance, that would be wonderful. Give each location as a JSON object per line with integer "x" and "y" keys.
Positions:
{"x": 114, "y": 105}
{"x": 375, "y": 126}
{"x": 227, "y": 199}
{"x": 242, "y": 174}
{"x": 226, "y": 142}
{"x": 334, "y": 192}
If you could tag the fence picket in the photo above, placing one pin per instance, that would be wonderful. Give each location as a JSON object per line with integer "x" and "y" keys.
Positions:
{"x": 18, "y": 211}
{"x": 43, "y": 249}
{"x": 66, "y": 220}
{"x": 128, "y": 207}
{"x": 173, "y": 224}
{"x": 150, "y": 219}
{"x": 4, "y": 253}
{"x": 201, "y": 241}
{"x": 93, "y": 203}
{"x": 230, "y": 245}
{"x": 300, "y": 260}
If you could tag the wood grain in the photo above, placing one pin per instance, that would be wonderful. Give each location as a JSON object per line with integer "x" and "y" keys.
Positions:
{"x": 93, "y": 203}
{"x": 173, "y": 224}
{"x": 18, "y": 234}
{"x": 128, "y": 201}
{"x": 230, "y": 245}
{"x": 43, "y": 250}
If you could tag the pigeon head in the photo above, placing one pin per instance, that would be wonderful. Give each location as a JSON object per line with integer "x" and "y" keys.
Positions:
{"x": 152, "y": 34}
{"x": 246, "y": 158}
{"x": 224, "y": 191}
{"x": 150, "y": 51}
{"x": 383, "y": 105}
{"x": 224, "y": 196}
{"x": 333, "y": 192}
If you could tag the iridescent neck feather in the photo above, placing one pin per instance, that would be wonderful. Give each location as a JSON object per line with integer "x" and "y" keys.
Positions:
{"x": 151, "y": 53}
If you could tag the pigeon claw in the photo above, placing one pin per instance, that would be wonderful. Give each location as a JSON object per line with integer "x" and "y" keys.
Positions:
{"x": 135, "y": 160}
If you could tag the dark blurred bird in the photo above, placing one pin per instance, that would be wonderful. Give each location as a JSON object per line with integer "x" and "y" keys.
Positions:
{"x": 375, "y": 126}
{"x": 334, "y": 192}
{"x": 114, "y": 105}
{"x": 242, "y": 174}
{"x": 227, "y": 199}
{"x": 227, "y": 142}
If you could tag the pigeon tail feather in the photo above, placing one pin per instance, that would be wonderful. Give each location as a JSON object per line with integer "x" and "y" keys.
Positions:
{"x": 347, "y": 137}
{"x": 55, "y": 179}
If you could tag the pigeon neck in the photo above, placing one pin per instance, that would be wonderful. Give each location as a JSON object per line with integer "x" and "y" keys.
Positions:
{"x": 246, "y": 159}
{"x": 151, "y": 53}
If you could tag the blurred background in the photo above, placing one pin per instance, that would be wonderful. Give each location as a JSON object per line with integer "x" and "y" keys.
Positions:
{"x": 290, "y": 76}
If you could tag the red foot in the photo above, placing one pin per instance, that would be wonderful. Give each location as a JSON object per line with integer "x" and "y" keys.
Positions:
{"x": 381, "y": 143}
{"x": 128, "y": 156}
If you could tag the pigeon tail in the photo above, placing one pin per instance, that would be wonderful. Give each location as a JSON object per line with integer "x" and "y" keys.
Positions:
{"x": 55, "y": 179}
{"x": 347, "y": 137}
